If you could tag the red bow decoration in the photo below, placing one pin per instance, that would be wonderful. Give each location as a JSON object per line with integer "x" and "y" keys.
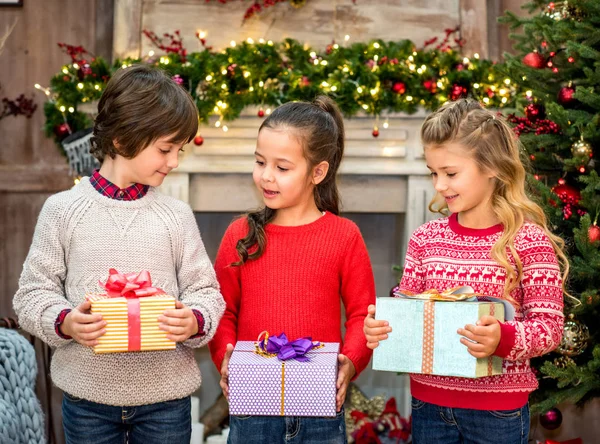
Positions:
{"x": 130, "y": 285}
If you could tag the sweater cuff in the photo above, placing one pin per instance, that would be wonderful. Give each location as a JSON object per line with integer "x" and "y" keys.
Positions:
{"x": 507, "y": 340}
{"x": 59, "y": 321}
{"x": 49, "y": 318}
{"x": 200, "y": 320}
{"x": 355, "y": 363}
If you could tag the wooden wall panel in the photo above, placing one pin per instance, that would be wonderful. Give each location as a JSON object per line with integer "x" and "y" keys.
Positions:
{"x": 31, "y": 166}
{"x": 317, "y": 23}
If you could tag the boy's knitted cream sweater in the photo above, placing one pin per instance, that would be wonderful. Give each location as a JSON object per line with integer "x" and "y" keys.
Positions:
{"x": 79, "y": 236}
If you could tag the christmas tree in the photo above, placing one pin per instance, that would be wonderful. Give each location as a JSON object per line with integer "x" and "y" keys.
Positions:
{"x": 557, "y": 63}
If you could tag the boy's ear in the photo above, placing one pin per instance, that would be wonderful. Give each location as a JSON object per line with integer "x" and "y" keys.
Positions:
{"x": 320, "y": 172}
{"x": 116, "y": 144}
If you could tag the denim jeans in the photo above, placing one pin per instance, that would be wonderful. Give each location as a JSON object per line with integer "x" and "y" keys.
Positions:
{"x": 287, "y": 429}
{"x": 87, "y": 422}
{"x": 432, "y": 424}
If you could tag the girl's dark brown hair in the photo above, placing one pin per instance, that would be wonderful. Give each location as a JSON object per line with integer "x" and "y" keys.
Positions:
{"x": 320, "y": 128}
{"x": 140, "y": 105}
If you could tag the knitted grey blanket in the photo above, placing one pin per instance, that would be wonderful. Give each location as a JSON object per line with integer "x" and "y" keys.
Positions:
{"x": 21, "y": 418}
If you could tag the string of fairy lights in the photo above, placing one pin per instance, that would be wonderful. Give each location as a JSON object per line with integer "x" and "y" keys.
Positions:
{"x": 375, "y": 78}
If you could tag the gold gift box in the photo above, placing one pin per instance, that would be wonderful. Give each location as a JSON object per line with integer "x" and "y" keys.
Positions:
{"x": 114, "y": 312}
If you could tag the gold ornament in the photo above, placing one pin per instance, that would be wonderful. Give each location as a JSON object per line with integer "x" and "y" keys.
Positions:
{"x": 582, "y": 150}
{"x": 564, "y": 362}
{"x": 297, "y": 3}
{"x": 562, "y": 10}
{"x": 358, "y": 401}
{"x": 575, "y": 338}
{"x": 556, "y": 11}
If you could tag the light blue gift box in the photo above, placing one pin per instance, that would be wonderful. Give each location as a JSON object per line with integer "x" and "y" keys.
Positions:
{"x": 408, "y": 348}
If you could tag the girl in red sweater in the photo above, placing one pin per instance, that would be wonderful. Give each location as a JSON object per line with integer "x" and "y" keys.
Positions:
{"x": 497, "y": 241}
{"x": 285, "y": 267}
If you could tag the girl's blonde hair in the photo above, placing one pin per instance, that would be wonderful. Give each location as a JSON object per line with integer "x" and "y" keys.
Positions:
{"x": 494, "y": 147}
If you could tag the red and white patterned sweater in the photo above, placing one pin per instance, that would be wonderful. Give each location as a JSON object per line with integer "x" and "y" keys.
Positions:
{"x": 443, "y": 254}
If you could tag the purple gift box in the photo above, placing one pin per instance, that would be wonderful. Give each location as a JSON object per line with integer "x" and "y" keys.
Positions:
{"x": 263, "y": 385}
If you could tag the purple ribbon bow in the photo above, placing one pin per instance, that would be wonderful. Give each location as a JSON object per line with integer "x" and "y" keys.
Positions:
{"x": 288, "y": 350}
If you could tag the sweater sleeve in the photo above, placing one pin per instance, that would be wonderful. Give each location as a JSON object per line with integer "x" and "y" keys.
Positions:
{"x": 198, "y": 286}
{"x": 413, "y": 276}
{"x": 229, "y": 279}
{"x": 41, "y": 295}
{"x": 540, "y": 331}
{"x": 358, "y": 291}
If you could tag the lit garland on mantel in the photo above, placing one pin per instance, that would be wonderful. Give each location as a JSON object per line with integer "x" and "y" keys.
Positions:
{"x": 371, "y": 78}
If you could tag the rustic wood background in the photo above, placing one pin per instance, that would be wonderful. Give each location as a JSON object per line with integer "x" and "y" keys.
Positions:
{"x": 31, "y": 167}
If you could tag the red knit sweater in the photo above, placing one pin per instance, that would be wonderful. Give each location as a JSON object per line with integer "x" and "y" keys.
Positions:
{"x": 296, "y": 285}
{"x": 443, "y": 254}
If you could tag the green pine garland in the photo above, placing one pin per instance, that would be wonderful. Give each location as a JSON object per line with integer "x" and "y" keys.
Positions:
{"x": 373, "y": 78}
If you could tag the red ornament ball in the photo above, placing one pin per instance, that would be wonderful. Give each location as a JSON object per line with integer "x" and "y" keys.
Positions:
{"x": 375, "y": 132}
{"x": 534, "y": 60}
{"x": 261, "y": 113}
{"x": 552, "y": 419}
{"x": 565, "y": 95}
{"x": 399, "y": 88}
{"x": 594, "y": 233}
{"x": 535, "y": 111}
{"x": 198, "y": 140}
{"x": 62, "y": 130}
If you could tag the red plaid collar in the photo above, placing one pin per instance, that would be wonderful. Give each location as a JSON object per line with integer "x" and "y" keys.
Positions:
{"x": 109, "y": 189}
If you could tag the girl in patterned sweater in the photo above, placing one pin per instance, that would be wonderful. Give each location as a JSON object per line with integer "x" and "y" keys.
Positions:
{"x": 287, "y": 267}
{"x": 497, "y": 241}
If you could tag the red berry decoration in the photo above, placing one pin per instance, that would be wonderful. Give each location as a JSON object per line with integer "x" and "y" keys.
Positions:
{"x": 399, "y": 88}
{"x": 261, "y": 113}
{"x": 565, "y": 95}
{"x": 552, "y": 419}
{"x": 375, "y": 132}
{"x": 198, "y": 140}
{"x": 567, "y": 194}
{"x": 534, "y": 60}
{"x": 535, "y": 111}
{"x": 457, "y": 92}
{"x": 430, "y": 85}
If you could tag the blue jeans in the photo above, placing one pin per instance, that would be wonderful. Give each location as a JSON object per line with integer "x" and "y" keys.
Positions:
{"x": 287, "y": 429}
{"x": 432, "y": 424}
{"x": 87, "y": 422}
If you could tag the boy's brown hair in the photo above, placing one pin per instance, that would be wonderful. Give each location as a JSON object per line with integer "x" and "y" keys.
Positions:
{"x": 140, "y": 105}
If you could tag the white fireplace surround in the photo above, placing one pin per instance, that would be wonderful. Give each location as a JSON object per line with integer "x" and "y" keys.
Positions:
{"x": 386, "y": 174}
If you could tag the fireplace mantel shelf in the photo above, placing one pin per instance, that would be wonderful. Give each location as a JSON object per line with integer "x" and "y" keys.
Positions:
{"x": 378, "y": 175}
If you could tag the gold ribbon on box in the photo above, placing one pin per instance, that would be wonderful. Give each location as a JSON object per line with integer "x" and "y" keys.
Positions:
{"x": 430, "y": 297}
{"x": 283, "y": 349}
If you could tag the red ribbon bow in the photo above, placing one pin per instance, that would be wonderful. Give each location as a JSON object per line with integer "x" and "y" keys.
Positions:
{"x": 130, "y": 285}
